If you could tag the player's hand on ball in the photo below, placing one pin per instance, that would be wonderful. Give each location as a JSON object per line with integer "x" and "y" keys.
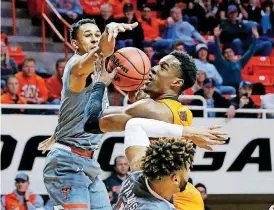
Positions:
{"x": 46, "y": 145}
{"x": 113, "y": 29}
{"x": 100, "y": 73}
{"x": 203, "y": 137}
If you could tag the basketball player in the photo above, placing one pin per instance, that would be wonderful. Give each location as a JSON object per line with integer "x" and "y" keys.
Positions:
{"x": 70, "y": 173}
{"x": 175, "y": 73}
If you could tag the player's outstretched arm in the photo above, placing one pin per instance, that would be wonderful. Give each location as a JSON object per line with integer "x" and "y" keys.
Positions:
{"x": 82, "y": 67}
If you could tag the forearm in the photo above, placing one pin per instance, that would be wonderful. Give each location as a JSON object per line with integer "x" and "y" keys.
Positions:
{"x": 93, "y": 109}
{"x": 106, "y": 47}
{"x": 243, "y": 11}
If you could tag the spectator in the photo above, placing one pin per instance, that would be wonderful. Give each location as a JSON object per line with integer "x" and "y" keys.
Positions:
{"x": 229, "y": 69}
{"x": 31, "y": 86}
{"x": 213, "y": 100}
{"x": 209, "y": 21}
{"x": 151, "y": 27}
{"x": 54, "y": 83}
{"x": 211, "y": 72}
{"x": 153, "y": 4}
{"x": 223, "y": 9}
{"x": 70, "y": 10}
{"x": 153, "y": 56}
{"x": 105, "y": 17}
{"x": 11, "y": 96}
{"x": 114, "y": 182}
{"x": 268, "y": 103}
{"x": 183, "y": 31}
{"x": 117, "y": 6}
{"x": 91, "y": 7}
{"x": 131, "y": 38}
{"x": 266, "y": 19}
{"x": 179, "y": 46}
{"x": 22, "y": 198}
{"x": 8, "y": 66}
{"x": 202, "y": 189}
{"x": 243, "y": 100}
{"x": 237, "y": 34}
{"x": 253, "y": 11}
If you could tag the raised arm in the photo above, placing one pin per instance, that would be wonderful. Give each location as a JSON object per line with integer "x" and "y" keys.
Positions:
{"x": 82, "y": 67}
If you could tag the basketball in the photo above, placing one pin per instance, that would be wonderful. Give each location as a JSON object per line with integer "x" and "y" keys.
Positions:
{"x": 133, "y": 67}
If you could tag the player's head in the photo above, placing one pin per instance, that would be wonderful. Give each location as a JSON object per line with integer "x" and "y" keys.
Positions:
{"x": 175, "y": 73}
{"x": 84, "y": 35}
{"x": 167, "y": 162}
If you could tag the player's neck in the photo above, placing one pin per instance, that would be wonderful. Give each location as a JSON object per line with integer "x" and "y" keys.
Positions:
{"x": 160, "y": 189}
{"x": 167, "y": 95}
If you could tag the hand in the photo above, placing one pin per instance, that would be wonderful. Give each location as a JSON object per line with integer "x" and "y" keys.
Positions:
{"x": 243, "y": 101}
{"x": 190, "y": 5}
{"x": 217, "y": 31}
{"x": 100, "y": 73}
{"x": 114, "y": 28}
{"x": 203, "y": 137}
{"x": 231, "y": 112}
{"x": 255, "y": 32}
{"x": 72, "y": 15}
{"x": 46, "y": 145}
{"x": 27, "y": 195}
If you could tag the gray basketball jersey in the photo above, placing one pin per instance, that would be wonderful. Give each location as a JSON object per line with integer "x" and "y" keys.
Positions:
{"x": 135, "y": 193}
{"x": 70, "y": 128}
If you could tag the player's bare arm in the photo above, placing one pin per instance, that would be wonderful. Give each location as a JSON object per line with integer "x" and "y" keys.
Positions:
{"x": 87, "y": 43}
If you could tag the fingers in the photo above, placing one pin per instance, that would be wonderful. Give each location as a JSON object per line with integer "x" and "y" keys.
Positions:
{"x": 121, "y": 28}
{"x": 115, "y": 32}
{"x": 110, "y": 34}
{"x": 212, "y": 127}
{"x": 113, "y": 73}
{"x": 207, "y": 148}
{"x": 134, "y": 25}
{"x": 218, "y": 133}
{"x": 94, "y": 50}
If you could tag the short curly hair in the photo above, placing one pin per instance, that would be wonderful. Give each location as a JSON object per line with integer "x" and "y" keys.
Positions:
{"x": 164, "y": 157}
{"x": 75, "y": 27}
{"x": 187, "y": 67}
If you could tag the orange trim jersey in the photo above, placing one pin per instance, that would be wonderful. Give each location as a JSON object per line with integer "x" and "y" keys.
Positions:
{"x": 190, "y": 199}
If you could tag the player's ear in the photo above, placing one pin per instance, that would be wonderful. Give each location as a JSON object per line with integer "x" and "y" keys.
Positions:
{"x": 175, "y": 179}
{"x": 177, "y": 83}
{"x": 74, "y": 44}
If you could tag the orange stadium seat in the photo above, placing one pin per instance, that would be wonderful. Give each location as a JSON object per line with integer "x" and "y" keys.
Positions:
{"x": 228, "y": 96}
{"x": 265, "y": 80}
{"x": 189, "y": 91}
{"x": 259, "y": 60}
{"x": 272, "y": 59}
{"x": 263, "y": 70}
{"x": 256, "y": 99}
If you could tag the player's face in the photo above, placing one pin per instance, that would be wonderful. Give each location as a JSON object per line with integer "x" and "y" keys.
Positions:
{"x": 29, "y": 68}
{"x": 180, "y": 180}
{"x": 21, "y": 185}
{"x": 12, "y": 85}
{"x": 88, "y": 37}
{"x": 163, "y": 77}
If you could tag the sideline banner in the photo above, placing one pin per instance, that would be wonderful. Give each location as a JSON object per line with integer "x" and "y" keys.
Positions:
{"x": 242, "y": 166}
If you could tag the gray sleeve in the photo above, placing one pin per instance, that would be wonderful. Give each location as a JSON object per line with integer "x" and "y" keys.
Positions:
{"x": 39, "y": 202}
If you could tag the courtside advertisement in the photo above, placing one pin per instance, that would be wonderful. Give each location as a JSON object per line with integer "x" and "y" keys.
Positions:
{"x": 242, "y": 166}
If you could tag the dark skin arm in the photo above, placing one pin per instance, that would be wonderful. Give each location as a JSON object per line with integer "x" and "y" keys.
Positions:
{"x": 115, "y": 121}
